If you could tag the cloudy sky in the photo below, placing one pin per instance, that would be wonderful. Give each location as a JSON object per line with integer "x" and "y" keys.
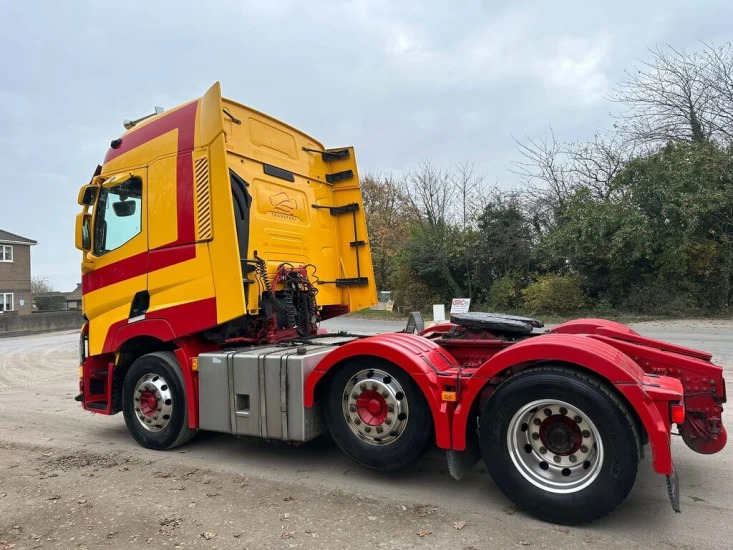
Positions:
{"x": 401, "y": 80}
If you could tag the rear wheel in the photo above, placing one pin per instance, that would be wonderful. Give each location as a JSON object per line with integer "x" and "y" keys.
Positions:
{"x": 377, "y": 414}
{"x": 154, "y": 402}
{"x": 560, "y": 445}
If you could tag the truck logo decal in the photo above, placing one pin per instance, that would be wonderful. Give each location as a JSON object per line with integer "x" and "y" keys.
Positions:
{"x": 283, "y": 206}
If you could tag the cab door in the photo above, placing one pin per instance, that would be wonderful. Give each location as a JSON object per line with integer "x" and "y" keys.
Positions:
{"x": 114, "y": 271}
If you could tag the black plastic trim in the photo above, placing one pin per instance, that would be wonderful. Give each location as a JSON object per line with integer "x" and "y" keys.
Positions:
{"x": 281, "y": 173}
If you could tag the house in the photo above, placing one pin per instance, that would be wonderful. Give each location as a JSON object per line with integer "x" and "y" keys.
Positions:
{"x": 58, "y": 301}
{"x": 73, "y": 298}
{"x": 15, "y": 273}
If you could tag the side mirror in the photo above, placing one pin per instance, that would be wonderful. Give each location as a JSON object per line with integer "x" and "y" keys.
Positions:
{"x": 124, "y": 208}
{"x": 87, "y": 195}
{"x": 83, "y": 232}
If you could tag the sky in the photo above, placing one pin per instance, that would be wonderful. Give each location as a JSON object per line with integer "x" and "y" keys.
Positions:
{"x": 401, "y": 81}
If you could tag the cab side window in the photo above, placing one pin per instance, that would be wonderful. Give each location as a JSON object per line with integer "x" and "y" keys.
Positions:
{"x": 119, "y": 215}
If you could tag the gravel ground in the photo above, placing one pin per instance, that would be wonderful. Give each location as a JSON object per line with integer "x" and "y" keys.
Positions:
{"x": 71, "y": 479}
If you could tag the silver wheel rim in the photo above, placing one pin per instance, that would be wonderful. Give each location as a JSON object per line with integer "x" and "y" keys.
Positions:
{"x": 375, "y": 427}
{"x": 555, "y": 446}
{"x": 153, "y": 402}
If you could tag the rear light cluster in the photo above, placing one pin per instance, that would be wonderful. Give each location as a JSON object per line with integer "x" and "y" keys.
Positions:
{"x": 677, "y": 413}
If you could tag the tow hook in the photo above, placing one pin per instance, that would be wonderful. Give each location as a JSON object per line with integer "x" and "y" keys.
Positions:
{"x": 673, "y": 490}
{"x": 79, "y": 398}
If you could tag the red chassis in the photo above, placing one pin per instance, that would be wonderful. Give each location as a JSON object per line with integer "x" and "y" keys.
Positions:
{"x": 458, "y": 370}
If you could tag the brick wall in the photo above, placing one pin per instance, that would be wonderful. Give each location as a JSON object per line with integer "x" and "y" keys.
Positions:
{"x": 12, "y": 323}
{"x": 15, "y": 277}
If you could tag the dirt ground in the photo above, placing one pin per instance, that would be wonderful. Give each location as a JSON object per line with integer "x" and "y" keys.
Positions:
{"x": 70, "y": 479}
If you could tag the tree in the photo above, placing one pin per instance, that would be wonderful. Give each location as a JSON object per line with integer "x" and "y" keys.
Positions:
{"x": 671, "y": 97}
{"x": 40, "y": 285}
{"x": 505, "y": 239}
{"x": 387, "y": 224}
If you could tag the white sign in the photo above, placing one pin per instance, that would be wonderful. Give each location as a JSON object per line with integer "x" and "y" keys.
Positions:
{"x": 21, "y": 302}
{"x": 438, "y": 312}
{"x": 460, "y": 305}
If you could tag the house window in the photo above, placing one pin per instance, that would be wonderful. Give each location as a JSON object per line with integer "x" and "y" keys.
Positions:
{"x": 6, "y": 253}
{"x": 6, "y": 301}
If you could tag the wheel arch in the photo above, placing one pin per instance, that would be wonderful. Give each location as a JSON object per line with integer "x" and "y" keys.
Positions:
{"x": 611, "y": 367}
{"x": 420, "y": 358}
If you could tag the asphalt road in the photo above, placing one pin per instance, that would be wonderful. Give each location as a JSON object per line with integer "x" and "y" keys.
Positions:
{"x": 72, "y": 479}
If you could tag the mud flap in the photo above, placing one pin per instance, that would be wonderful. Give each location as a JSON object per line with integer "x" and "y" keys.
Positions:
{"x": 461, "y": 462}
{"x": 673, "y": 490}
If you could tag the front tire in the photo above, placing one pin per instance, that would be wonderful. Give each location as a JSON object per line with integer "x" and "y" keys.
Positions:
{"x": 560, "y": 444}
{"x": 377, "y": 414}
{"x": 154, "y": 402}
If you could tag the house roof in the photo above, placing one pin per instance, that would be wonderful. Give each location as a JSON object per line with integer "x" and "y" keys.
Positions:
{"x": 8, "y": 237}
{"x": 74, "y": 294}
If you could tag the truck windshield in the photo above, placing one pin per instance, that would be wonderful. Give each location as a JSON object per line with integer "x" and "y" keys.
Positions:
{"x": 118, "y": 215}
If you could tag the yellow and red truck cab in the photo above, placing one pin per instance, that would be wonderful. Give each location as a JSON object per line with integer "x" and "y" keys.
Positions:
{"x": 215, "y": 238}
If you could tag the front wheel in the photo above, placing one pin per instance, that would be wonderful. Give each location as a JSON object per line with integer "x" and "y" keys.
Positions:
{"x": 560, "y": 444}
{"x": 154, "y": 402}
{"x": 377, "y": 414}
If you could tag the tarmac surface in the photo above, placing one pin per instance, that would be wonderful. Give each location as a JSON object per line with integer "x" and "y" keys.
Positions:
{"x": 71, "y": 479}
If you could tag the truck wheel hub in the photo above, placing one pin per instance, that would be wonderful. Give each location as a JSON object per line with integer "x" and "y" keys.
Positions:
{"x": 375, "y": 407}
{"x": 148, "y": 403}
{"x": 153, "y": 402}
{"x": 561, "y": 435}
{"x": 372, "y": 408}
{"x": 555, "y": 446}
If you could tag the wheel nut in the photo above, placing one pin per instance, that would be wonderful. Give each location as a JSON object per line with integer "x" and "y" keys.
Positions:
{"x": 362, "y": 387}
{"x": 583, "y": 449}
{"x": 388, "y": 421}
{"x": 390, "y": 408}
{"x": 543, "y": 450}
{"x": 374, "y": 387}
{"x": 547, "y": 412}
{"x": 355, "y": 395}
{"x": 535, "y": 436}
{"x": 352, "y": 408}
{"x": 577, "y": 419}
{"x": 563, "y": 411}
{"x": 385, "y": 394}
{"x": 367, "y": 429}
{"x": 585, "y": 433}
{"x": 379, "y": 429}
{"x": 357, "y": 421}
{"x": 556, "y": 458}
{"x": 537, "y": 421}
{"x": 573, "y": 458}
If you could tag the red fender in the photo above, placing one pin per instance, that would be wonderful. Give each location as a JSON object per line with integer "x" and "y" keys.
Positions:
{"x": 604, "y": 360}
{"x": 422, "y": 359}
{"x": 589, "y": 326}
{"x": 122, "y": 331}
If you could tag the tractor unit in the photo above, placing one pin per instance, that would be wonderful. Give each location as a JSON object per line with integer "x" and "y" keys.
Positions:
{"x": 215, "y": 239}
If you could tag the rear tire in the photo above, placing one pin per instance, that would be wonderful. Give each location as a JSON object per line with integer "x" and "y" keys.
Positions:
{"x": 154, "y": 402}
{"x": 560, "y": 444}
{"x": 377, "y": 414}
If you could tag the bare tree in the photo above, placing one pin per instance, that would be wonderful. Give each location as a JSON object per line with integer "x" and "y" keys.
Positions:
{"x": 545, "y": 172}
{"x": 594, "y": 164}
{"x": 40, "y": 285}
{"x": 471, "y": 191}
{"x": 430, "y": 193}
{"x": 720, "y": 82}
{"x": 668, "y": 98}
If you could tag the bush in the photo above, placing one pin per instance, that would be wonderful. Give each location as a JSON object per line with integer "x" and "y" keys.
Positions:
{"x": 554, "y": 294}
{"x": 50, "y": 303}
{"x": 506, "y": 293}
